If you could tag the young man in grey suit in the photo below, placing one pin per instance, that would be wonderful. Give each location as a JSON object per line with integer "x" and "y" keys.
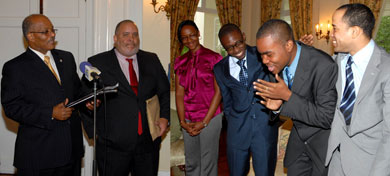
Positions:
{"x": 306, "y": 94}
{"x": 359, "y": 140}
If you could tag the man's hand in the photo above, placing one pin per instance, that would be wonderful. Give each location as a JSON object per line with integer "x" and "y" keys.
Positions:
{"x": 275, "y": 91}
{"x": 271, "y": 104}
{"x": 60, "y": 112}
{"x": 163, "y": 124}
{"x": 89, "y": 104}
{"x": 307, "y": 39}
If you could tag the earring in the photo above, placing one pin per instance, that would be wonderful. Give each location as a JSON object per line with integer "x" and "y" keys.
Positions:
{"x": 200, "y": 37}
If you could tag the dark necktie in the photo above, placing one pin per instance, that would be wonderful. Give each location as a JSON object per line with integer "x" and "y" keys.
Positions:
{"x": 243, "y": 73}
{"x": 348, "y": 100}
{"x": 134, "y": 87}
{"x": 289, "y": 78}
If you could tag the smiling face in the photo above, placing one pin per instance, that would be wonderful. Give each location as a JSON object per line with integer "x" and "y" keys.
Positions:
{"x": 274, "y": 53}
{"x": 126, "y": 39}
{"x": 41, "y": 35}
{"x": 234, "y": 44}
{"x": 342, "y": 33}
{"x": 190, "y": 38}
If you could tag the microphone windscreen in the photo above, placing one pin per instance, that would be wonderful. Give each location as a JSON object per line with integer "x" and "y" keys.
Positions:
{"x": 82, "y": 66}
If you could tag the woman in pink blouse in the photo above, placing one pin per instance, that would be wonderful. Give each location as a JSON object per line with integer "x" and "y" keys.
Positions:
{"x": 198, "y": 102}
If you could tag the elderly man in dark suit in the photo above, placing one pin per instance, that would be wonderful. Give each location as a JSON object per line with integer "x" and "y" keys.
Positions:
{"x": 35, "y": 88}
{"x": 306, "y": 94}
{"x": 124, "y": 143}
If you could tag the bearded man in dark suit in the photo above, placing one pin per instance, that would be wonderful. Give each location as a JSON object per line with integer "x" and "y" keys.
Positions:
{"x": 124, "y": 143}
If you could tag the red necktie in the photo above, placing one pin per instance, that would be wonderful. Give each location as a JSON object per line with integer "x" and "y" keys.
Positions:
{"x": 134, "y": 86}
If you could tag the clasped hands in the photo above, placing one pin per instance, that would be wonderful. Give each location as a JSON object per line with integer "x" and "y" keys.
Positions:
{"x": 192, "y": 128}
{"x": 273, "y": 94}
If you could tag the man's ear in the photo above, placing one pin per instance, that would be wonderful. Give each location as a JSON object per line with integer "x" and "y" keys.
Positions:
{"x": 356, "y": 31}
{"x": 30, "y": 37}
{"x": 243, "y": 36}
{"x": 289, "y": 45}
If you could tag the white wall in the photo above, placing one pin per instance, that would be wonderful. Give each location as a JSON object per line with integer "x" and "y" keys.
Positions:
{"x": 156, "y": 38}
{"x": 322, "y": 12}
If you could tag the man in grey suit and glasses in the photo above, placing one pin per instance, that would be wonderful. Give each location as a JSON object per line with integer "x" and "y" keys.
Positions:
{"x": 359, "y": 140}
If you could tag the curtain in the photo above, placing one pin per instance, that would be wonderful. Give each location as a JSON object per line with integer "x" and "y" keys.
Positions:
{"x": 229, "y": 11}
{"x": 181, "y": 10}
{"x": 301, "y": 17}
{"x": 270, "y": 9}
{"x": 374, "y": 5}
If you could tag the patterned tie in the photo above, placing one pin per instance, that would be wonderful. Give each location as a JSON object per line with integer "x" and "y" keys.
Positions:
{"x": 47, "y": 62}
{"x": 243, "y": 72}
{"x": 134, "y": 87}
{"x": 289, "y": 78}
{"x": 348, "y": 100}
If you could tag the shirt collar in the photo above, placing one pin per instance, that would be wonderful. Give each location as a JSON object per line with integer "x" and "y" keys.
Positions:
{"x": 293, "y": 67}
{"x": 40, "y": 55}
{"x": 123, "y": 58}
{"x": 234, "y": 59}
{"x": 362, "y": 57}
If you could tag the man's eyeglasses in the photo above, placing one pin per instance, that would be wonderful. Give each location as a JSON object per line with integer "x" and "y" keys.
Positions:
{"x": 47, "y": 31}
{"x": 238, "y": 44}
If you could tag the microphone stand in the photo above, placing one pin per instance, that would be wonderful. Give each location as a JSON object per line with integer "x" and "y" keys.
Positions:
{"x": 94, "y": 165}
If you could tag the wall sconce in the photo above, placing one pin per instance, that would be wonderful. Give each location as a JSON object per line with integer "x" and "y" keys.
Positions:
{"x": 165, "y": 8}
{"x": 320, "y": 35}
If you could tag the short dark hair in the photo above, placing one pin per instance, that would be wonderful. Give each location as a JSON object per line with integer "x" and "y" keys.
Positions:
{"x": 278, "y": 29}
{"x": 227, "y": 29}
{"x": 185, "y": 23}
{"x": 120, "y": 23}
{"x": 359, "y": 15}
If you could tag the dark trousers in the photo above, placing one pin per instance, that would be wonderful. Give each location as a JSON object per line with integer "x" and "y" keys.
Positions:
{"x": 142, "y": 161}
{"x": 71, "y": 169}
{"x": 304, "y": 166}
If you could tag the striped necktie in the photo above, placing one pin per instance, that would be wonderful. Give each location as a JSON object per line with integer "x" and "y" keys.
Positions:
{"x": 348, "y": 100}
{"x": 289, "y": 78}
{"x": 46, "y": 59}
{"x": 243, "y": 72}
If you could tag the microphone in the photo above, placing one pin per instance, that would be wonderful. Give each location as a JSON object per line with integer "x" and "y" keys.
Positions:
{"x": 90, "y": 72}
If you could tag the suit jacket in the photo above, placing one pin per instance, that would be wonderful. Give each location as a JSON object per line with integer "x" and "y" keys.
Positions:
{"x": 119, "y": 128}
{"x": 364, "y": 145}
{"x": 29, "y": 91}
{"x": 240, "y": 103}
{"x": 311, "y": 106}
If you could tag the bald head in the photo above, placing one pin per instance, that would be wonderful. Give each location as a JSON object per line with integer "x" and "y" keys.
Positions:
{"x": 277, "y": 29}
{"x": 30, "y": 21}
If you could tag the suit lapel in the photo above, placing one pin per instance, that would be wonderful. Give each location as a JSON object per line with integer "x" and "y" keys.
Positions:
{"x": 59, "y": 64}
{"x": 226, "y": 71}
{"x": 368, "y": 79}
{"x": 301, "y": 76}
{"x": 40, "y": 65}
{"x": 141, "y": 71}
{"x": 339, "y": 90}
{"x": 117, "y": 72}
{"x": 253, "y": 66}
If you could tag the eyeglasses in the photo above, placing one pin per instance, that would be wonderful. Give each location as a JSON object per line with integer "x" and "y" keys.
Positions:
{"x": 47, "y": 31}
{"x": 238, "y": 44}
